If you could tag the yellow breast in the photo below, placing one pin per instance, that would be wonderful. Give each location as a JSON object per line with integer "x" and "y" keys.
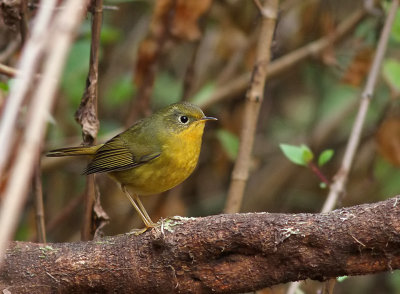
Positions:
{"x": 177, "y": 161}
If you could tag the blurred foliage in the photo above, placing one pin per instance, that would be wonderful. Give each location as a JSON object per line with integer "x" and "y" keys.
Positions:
{"x": 76, "y": 69}
{"x": 313, "y": 103}
{"x": 167, "y": 90}
{"x": 119, "y": 92}
{"x": 391, "y": 73}
{"x": 230, "y": 143}
{"x": 4, "y": 87}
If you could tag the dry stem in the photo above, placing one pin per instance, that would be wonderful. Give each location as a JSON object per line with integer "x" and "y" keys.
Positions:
{"x": 28, "y": 66}
{"x": 8, "y": 70}
{"x": 39, "y": 210}
{"x": 337, "y": 188}
{"x": 60, "y": 34}
{"x": 86, "y": 116}
{"x": 279, "y": 65}
{"x": 341, "y": 177}
{"x": 254, "y": 98}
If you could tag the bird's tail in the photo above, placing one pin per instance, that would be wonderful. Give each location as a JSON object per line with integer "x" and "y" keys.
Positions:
{"x": 73, "y": 151}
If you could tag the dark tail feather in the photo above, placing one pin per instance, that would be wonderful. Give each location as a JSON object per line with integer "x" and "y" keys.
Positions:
{"x": 73, "y": 151}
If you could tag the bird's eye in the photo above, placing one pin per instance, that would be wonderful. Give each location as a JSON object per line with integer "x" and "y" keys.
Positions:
{"x": 183, "y": 119}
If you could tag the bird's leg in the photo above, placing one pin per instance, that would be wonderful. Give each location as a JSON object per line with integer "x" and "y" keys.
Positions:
{"x": 152, "y": 224}
{"x": 139, "y": 208}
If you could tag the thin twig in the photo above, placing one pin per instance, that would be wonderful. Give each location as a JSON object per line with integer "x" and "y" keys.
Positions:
{"x": 60, "y": 33}
{"x": 254, "y": 97}
{"x": 39, "y": 210}
{"x": 12, "y": 72}
{"x": 285, "y": 62}
{"x": 338, "y": 186}
{"x": 341, "y": 177}
{"x": 23, "y": 22}
{"x": 86, "y": 115}
{"x": 8, "y": 70}
{"x": 28, "y": 66}
{"x": 12, "y": 46}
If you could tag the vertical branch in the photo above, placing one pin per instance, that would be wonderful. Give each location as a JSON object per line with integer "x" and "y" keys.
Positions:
{"x": 23, "y": 22}
{"x": 60, "y": 34}
{"x": 39, "y": 210}
{"x": 27, "y": 67}
{"x": 337, "y": 188}
{"x": 86, "y": 116}
{"x": 287, "y": 61}
{"x": 254, "y": 97}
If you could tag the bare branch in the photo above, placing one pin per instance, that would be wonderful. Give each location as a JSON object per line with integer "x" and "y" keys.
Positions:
{"x": 281, "y": 64}
{"x": 86, "y": 116}
{"x": 61, "y": 33}
{"x": 39, "y": 210}
{"x": 340, "y": 179}
{"x": 27, "y": 65}
{"x": 254, "y": 98}
{"x": 220, "y": 254}
{"x": 8, "y": 70}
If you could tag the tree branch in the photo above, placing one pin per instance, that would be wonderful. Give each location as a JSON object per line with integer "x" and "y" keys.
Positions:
{"x": 338, "y": 186}
{"x": 254, "y": 98}
{"x": 61, "y": 31}
{"x": 87, "y": 117}
{"x": 285, "y": 62}
{"x": 220, "y": 254}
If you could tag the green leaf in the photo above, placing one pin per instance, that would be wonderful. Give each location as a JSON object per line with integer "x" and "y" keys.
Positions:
{"x": 322, "y": 185}
{"x": 300, "y": 155}
{"x": 325, "y": 156}
{"x": 341, "y": 279}
{"x": 391, "y": 73}
{"x": 230, "y": 143}
{"x": 4, "y": 87}
{"x": 395, "y": 33}
{"x": 307, "y": 154}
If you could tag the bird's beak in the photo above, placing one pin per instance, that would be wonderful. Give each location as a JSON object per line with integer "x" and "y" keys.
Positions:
{"x": 208, "y": 118}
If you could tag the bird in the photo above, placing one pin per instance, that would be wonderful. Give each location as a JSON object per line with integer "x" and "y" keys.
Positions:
{"x": 154, "y": 155}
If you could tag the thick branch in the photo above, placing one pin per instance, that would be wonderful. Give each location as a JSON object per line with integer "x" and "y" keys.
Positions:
{"x": 220, "y": 254}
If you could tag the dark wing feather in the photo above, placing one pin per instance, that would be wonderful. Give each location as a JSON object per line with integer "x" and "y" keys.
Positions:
{"x": 114, "y": 155}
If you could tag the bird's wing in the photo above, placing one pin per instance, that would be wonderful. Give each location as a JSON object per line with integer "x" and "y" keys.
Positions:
{"x": 115, "y": 155}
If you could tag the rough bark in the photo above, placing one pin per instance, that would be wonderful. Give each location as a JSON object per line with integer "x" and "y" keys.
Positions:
{"x": 220, "y": 254}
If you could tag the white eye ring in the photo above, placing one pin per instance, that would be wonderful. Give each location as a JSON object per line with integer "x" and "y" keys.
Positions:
{"x": 184, "y": 119}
